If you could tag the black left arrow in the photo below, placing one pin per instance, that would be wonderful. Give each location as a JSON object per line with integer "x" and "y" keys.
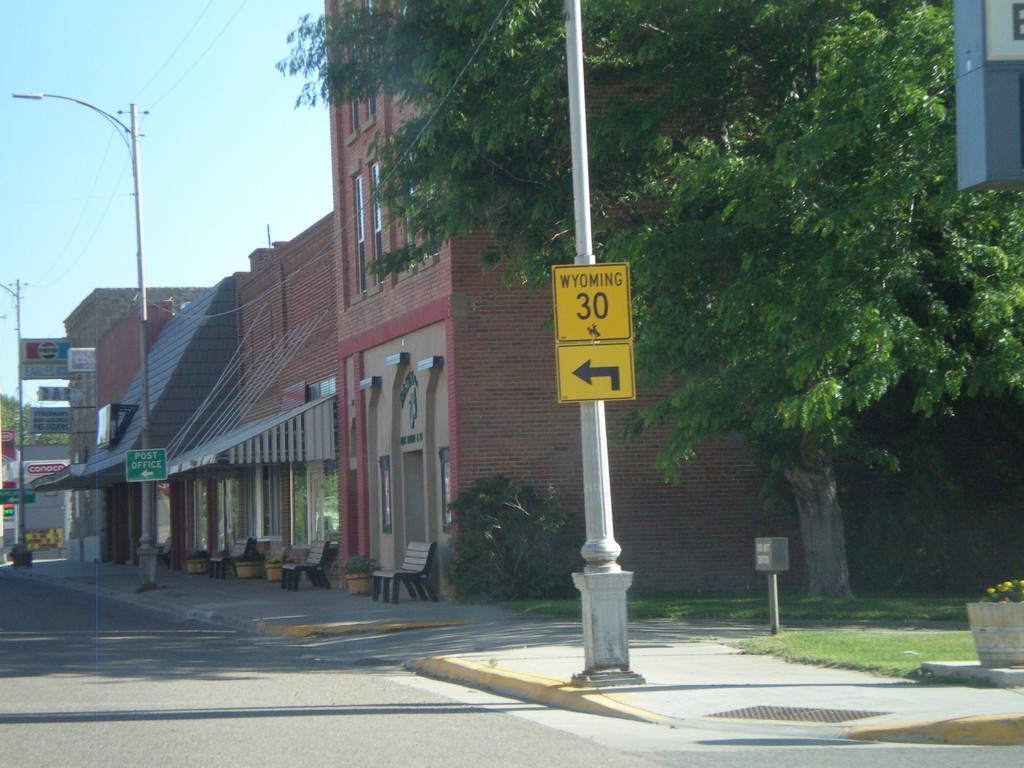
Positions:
{"x": 588, "y": 373}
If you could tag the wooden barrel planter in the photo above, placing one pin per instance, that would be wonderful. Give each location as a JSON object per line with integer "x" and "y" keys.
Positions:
{"x": 273, "y": 571}
{"x": 249, "y": 569}
{"x": 196, "y": 567}
{"x": 359, "y": 584}
{"x": 998, "y": 632}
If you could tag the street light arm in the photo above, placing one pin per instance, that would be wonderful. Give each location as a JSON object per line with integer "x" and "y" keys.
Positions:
{"x": 109, "y": 117}
{"x": 147, "y": 550}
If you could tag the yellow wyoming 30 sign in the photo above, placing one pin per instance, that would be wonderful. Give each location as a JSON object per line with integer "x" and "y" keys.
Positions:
{"x": 593, "y": 332}
{"x": 592, "y": 303}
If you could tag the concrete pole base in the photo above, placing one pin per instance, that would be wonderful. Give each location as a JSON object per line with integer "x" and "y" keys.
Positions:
{"x": 147, "y": 568}
{"x": 606, "y": 648}
{"x": 607, "y": 679}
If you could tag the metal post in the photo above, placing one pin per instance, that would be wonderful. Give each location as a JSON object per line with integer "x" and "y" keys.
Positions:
{"x": 22, "y": 555}
{"x": 19, "y": 540}
{"x": 603, "y": 584}
{"x": 147, "y": 541}
{"x": 773, "y": 601}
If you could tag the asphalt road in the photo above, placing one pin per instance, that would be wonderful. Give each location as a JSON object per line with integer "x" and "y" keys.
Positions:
{"x": 85, "y": 682}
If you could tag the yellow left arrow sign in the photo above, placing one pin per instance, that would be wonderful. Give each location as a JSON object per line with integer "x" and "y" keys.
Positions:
{"x": 595, "y": 372}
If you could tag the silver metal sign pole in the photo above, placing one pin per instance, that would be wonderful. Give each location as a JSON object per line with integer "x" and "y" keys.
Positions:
{"x": 603, "y": 584}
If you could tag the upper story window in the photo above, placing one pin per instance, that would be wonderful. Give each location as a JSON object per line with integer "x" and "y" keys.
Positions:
{"x": 378, "y": 227}
{"x": 360, "y": 234}
{"x": 355, "y": 115}
{"x": 430, "y": 244}
{"x": 354, "y": 56}
{"x": 322, "y": 388}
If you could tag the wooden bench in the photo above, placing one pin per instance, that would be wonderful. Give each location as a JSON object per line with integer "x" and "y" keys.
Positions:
{"x": 414, "y": 573}
{"x": 318, "y": 559}
{"x": 241, "y": 549}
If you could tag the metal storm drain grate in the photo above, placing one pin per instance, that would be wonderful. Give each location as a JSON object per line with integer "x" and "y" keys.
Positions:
{"x": 798, "y": 714}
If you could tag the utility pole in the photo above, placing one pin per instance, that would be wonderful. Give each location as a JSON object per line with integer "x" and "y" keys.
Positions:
{"x": 19, "y": 543}
{"x": 22, "y": 554}
{"x": 147, "y": 540}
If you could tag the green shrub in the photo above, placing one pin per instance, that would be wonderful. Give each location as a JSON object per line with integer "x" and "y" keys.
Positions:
{"x": 511, "y": 543}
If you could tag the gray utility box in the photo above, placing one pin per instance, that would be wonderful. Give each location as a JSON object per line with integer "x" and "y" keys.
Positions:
{"x": 771, "y": 554}
{"x": 989, "y": 54}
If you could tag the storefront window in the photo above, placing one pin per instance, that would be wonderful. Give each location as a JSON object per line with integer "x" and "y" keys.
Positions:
{"x": 271, "y": 493}
{"x": 300, "y": 505}
{"x": 332, "y": 505}
{"x": 163, "y": 512}
{"x": 446, "y": 488}
{"x": 263, "y": 502}
{"x": 252, "y": 502}
{"x": 227, "y": 511}
{"x": 198, "y": 516}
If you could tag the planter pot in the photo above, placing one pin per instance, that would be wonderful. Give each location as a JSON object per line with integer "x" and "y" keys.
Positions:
{"x": 253, "y": 570}
{"x": 998, "y": 632}
{"x": 195, "y": 567}
{"x": 273, "y": 571}
{"x": 359, "y": 584}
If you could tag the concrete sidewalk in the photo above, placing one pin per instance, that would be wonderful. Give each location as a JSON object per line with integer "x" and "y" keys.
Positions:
{"x": 692, "y": 678}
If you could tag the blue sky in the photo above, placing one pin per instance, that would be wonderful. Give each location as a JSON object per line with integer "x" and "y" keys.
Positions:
{"x": 224, "y": 153}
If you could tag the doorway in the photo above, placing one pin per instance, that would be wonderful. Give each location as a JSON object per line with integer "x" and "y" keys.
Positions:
{"x": 413, "y": 506}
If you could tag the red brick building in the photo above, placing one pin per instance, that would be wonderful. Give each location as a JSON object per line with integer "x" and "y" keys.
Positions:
{"x": 447, "y": 376}
{"x": 264, "y": 464}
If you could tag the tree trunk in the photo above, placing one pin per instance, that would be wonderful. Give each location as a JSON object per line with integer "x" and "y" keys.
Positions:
{"x": 821, "y": 522}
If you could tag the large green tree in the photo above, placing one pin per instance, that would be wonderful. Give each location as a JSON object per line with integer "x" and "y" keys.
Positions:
{"x": 780, "y": 175}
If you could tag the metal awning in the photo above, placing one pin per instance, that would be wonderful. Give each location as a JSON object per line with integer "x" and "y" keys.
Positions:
{"x": 302, "y": 434}
{"x": 305, "y": 433}
{"x": 83, "y": 477}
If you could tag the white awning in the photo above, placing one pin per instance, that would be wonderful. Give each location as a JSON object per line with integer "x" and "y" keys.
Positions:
{"x": 302, "y": 434}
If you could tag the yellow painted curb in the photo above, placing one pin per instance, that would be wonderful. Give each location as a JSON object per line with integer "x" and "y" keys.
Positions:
{"x": 278, "y": 629}
{"x": 521, "y": 685}
{"x": 990, "y": 730}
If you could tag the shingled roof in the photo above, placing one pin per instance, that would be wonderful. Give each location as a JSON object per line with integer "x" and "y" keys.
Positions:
{"x": 185, "y": 364}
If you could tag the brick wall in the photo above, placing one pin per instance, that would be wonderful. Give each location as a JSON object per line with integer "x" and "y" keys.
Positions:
{"x": 118, "y": 348}
{"x": 504, "y": 417}
{"x": 289, "y": 286}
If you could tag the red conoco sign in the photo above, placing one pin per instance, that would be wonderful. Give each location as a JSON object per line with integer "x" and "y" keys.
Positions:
{"x": 40, "y": 468}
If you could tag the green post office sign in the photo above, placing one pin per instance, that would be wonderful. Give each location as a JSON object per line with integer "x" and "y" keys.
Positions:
{"x": 13, "y": 496}
{"x": 142, "y": 466}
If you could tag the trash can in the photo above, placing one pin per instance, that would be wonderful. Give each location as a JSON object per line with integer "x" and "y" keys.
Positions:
{"x": 21, "y": 556}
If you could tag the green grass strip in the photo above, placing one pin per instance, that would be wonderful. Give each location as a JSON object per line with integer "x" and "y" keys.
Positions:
{"x": 754, "y": 607}
{"x": 887, "y": 653}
